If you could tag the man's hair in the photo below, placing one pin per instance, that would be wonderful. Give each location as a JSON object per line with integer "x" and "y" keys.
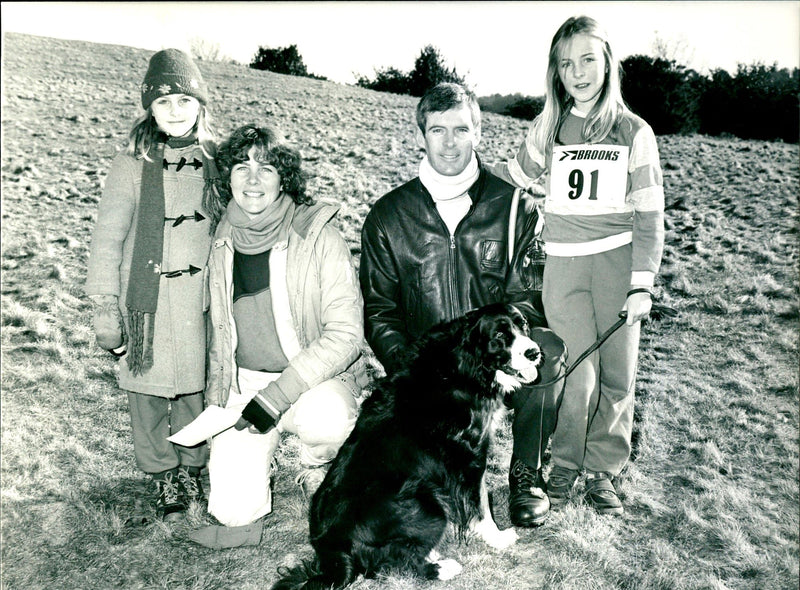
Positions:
{"x": 270, "y": 149}
{"x": 446, "y": 96}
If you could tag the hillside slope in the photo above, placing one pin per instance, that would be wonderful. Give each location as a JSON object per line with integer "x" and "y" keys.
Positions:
{"x": 712, "y": 490}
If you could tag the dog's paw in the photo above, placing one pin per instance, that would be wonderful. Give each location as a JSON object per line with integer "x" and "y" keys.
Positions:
{"x": 448, "y": 569}
{"x": 501, "y": 539}
{"x": 487, "y": 530}
{"x": 507, "y": 383}
{"x": 433, "y": 557}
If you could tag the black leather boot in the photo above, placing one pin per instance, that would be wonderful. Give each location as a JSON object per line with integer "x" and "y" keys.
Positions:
{"x": 528, "y": 504}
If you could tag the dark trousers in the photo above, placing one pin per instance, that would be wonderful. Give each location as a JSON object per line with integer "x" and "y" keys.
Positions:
{"x": 536, "y": 408}
{"x": 155, "y": 418}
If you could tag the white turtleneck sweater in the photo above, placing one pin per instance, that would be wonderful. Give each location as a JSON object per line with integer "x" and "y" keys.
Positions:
{"x": 450, "y": 192}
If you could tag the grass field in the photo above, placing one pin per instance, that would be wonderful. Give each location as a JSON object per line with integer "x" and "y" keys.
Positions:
{"x": 712, "y": 489}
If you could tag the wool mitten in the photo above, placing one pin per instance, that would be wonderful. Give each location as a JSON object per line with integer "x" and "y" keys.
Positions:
{"x": 107, "y": 322}
{"x": 260, "y": 413}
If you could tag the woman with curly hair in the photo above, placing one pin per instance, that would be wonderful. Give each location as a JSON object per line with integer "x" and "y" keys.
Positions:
{"x": 286, "y": 332}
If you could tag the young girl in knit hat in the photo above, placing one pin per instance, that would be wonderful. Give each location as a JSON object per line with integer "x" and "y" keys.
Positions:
{"x": 147, "y": 266}
{"x": 604, "y": 236}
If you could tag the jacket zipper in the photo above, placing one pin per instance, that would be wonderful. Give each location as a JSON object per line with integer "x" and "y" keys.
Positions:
{"x": 452, "y": 275}
{"x": 227, "y": 256}
{"x": 455, "y": 304}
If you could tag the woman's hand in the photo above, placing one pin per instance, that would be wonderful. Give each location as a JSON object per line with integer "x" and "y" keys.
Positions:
{"x": 257, "y": 415}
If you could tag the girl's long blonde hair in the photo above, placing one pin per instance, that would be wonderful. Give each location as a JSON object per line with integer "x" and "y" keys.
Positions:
{"x": 609, "y": 106}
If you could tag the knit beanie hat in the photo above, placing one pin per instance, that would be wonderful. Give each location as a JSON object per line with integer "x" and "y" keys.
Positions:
{"x": 172, "y": 71}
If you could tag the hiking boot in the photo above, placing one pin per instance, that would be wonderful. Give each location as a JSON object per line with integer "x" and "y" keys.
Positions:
{"x": 310, "y": 478}
{"x": 191, "y": 489}
{"x": 560, "y": 484}
{"x": 528, "y": 504}
{"x": 168, "y": 499}
{"x": 600, "y": 494}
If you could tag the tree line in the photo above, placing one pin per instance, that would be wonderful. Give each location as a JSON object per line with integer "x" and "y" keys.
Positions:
{"x": 758, "y": 101}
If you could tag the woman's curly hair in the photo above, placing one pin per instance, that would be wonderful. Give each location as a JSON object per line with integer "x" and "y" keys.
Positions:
{"x": 270, "y": 150}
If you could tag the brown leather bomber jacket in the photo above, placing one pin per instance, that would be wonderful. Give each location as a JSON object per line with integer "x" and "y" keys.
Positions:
{"x": 414, "y": 274}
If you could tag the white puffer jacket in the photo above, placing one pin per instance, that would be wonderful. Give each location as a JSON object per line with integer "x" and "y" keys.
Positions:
{"x": 321, "y": 332}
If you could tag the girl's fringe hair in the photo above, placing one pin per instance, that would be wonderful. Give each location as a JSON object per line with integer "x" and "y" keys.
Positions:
{"x": 144, "y": 136}
{"x": 609, "y": 107}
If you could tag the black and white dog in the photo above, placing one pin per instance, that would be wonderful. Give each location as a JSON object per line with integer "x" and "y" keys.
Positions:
{"x": 416, "y": 458}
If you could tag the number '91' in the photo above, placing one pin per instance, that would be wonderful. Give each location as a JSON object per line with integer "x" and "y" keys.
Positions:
{"x": 576, "y": 182}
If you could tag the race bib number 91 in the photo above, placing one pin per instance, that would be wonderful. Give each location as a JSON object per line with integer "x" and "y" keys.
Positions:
{"x": 588, "y": 179}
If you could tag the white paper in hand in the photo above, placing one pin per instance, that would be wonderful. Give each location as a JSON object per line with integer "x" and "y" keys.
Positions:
{"x": 212, "y": 421}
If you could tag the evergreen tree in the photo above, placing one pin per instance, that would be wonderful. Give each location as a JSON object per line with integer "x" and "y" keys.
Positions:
{"x": 430, "y": 70}
{"x": 283, "y": 60}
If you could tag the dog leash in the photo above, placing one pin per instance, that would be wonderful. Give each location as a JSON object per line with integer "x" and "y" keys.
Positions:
{"x": 663, "y": 310}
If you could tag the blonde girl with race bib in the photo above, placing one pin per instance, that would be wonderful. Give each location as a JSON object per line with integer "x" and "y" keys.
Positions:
{"x": 604, "y": 236}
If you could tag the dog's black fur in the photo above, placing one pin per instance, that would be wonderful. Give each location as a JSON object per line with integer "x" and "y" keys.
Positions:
{"x": 416, "y": 457}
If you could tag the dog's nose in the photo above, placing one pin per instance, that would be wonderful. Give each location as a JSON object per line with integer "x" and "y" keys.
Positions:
{"x": 532, "y": 354}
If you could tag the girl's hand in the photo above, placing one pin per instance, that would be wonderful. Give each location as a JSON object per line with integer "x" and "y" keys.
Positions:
{"x": 107, "y": 322}
{"x": 638, "y": 306}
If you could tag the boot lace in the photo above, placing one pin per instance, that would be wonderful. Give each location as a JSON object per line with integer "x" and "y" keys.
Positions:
{"x": 527, "y": 478}
{"x": 190, "y": 483}
{"x": 309, "y": 479}
{"x": 168, "y": 490}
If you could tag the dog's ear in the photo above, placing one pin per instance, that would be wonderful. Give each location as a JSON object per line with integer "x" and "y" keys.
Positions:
{"x": 518, "y": 318}
{"x": 498, "y": 335}
{"x": 476, "y": 339}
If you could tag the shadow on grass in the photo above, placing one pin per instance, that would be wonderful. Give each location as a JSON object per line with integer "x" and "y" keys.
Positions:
{"x": 132, "y": 500}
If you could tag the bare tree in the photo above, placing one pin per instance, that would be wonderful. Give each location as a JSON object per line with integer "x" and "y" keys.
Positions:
{"x": 676, "y": 50}
{"x": 205, "y": 50}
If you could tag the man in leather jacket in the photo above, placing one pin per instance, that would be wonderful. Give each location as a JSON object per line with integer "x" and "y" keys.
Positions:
{"x": 438, "y": 247}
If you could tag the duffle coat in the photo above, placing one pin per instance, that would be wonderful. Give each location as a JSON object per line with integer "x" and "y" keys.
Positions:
{"x": 179, "y": 342}
{"x": 325, "y": 307}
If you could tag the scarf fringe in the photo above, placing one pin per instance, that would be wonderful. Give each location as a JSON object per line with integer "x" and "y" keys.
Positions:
{"x": 140, "y": 341}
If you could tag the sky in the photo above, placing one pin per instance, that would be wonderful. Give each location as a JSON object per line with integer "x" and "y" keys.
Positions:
{"x": 500, "y": 47}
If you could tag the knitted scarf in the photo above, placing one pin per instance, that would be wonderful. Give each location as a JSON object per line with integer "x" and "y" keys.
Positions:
{"x": 148, "y": 247}
{"x": 254, "y": 235}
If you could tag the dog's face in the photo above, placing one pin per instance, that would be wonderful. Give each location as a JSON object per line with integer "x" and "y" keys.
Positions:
{"x": 506, "y": 347}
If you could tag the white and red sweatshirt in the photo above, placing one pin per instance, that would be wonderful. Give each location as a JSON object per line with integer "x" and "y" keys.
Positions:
{"x": 599, "y": 196}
